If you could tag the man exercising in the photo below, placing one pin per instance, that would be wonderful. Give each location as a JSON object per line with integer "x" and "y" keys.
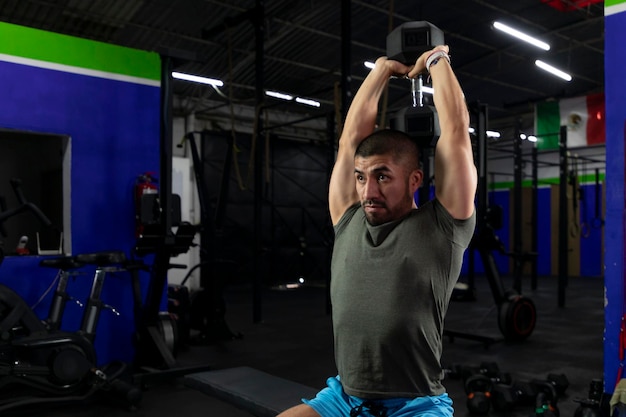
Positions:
{"x": 394, "y": 265}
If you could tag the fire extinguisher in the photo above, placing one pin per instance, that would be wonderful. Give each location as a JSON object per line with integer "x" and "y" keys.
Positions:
{"x": 145, "y": 184}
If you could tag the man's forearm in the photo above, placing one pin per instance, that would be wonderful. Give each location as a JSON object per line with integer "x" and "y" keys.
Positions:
{"x": 449, "y": 99}
{"x": 361, "y": 117}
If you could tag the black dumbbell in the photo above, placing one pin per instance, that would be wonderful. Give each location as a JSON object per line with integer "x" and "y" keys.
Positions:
{"x": 492, "y": 370}
{"x": 560, "y": 383}
{"x": 505, "y": 397}
{"x": 592, "y": 406}
{"x": 489, "y": 369}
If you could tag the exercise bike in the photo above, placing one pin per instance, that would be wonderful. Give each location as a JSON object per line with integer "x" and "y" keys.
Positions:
{"x": 40, "y": 363}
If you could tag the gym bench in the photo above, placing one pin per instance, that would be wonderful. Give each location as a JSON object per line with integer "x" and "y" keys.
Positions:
{"x": 260, "y": 393}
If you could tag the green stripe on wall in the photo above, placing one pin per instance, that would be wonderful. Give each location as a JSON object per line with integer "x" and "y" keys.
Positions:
{"x": 614, "y": 6}
{"x": 77, "y": 52}
{"x": 543, "y": 182}
{"x": 609, "y": 3}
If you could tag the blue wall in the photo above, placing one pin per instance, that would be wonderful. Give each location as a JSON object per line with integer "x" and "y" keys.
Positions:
{"x": 591, "y": 259}
{"x": 591, "y": 247}
{"x": 114, "y": 130}
{"x": 615, "y": 96}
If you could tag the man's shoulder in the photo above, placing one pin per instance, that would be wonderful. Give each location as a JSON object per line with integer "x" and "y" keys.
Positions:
{"x": 346, "y": 217}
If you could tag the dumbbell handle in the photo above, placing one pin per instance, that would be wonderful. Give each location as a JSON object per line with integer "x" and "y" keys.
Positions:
{"x": 417, "y": 94}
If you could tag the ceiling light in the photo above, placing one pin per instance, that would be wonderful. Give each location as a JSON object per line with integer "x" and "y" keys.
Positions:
{"x": 281, "y": 96}
{"x": 197, "y": 79}
{"x": 521, "y": 35}
{"x": 553, "y": 70}
{"x": 289, "y": 97}
{"x": 530, "y": 138}
{"x": 307, "y": 101}
{"x": 490, "y": 133}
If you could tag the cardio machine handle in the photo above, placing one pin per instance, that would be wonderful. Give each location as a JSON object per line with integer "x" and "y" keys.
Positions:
{"x": 17, "y": 189}
{"x": 16, "y": 184}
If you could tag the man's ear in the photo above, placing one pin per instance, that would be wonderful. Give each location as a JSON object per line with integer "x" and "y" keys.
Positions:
{"x": 415, "y": 179}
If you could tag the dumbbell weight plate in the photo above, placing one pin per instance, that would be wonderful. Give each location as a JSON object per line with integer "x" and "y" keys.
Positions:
{"x": 168, "y": 331}
{"x": 517, "y": 317}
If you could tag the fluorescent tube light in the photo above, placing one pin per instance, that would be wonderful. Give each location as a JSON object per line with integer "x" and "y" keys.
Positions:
{"x": 289, "y": 97}
{"x": 197, "y": 79}
{"x": 530, "y": 138}
{"x": 307, "y": 101}
{"x": 521, "y": 35}
{"x": 490, "y": 133}
{"x": 553, "y": 70}
{"x": 281, "y": 96}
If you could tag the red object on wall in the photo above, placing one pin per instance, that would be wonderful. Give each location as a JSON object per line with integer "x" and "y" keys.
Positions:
{"x": 569, "y": 5}
{"x": 146, "y": 183}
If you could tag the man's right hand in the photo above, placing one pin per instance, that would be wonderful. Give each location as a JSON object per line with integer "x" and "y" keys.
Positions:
{"x": 420, "y": 63}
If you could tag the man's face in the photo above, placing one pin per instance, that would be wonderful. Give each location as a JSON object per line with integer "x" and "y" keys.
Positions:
{"x": 385, "y": 188}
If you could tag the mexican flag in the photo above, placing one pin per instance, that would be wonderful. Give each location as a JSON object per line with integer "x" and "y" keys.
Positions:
{"x": 583, "y": 116}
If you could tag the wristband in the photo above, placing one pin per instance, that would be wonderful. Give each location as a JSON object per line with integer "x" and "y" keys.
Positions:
{"x": 435, "y": 57}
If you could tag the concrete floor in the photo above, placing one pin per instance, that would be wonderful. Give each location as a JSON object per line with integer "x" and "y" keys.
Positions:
{"x": 294, "y": 341}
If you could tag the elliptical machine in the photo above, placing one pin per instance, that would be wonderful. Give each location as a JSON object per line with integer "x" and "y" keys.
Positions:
{"x": 40, "y": 363}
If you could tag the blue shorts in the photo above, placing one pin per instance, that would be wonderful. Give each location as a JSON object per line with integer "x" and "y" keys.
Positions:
{"x": 332, "y": 401}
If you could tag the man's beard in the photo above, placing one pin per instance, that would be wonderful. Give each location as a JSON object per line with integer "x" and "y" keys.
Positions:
{"x": 375, "y": 219}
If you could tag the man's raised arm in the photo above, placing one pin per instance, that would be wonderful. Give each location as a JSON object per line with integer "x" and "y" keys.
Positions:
{"x": 455, "y": 172}
{"x": 360, "y": 122}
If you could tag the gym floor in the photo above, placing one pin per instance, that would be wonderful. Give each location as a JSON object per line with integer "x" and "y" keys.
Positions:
{"x": 294, "y": 341}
